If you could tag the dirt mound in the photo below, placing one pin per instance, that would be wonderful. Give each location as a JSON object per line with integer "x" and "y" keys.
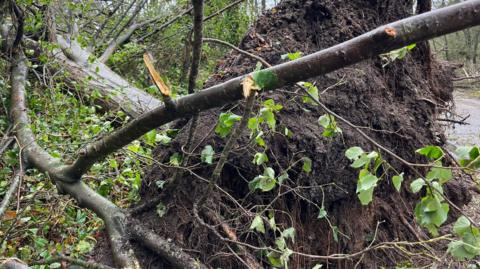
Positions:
{"x": 396, "y": 105}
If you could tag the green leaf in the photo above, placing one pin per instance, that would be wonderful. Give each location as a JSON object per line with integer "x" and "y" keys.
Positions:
{"x": 432, "y": 152}
{"x": 259, "y": 140}
{"x": 431, "y": 213}
{"x": 269, "y": 172}
{"x": 353, "y": 153}
{"x": 163, "y": 139}
{"x": 253, "y": 123}
{"x": 289, "y": 233}
{"x": 365, "y": 196}
{"x": 317, "y": 266}
{"x": 269, "y": 118}
{"x": 271, "y": 223}
{"x": 175, "y": 159}
{"x": 365, "y": 186}
{"x": 458, "y": 250}
{"x": 360, "y": 161}
{"x": 322, "y": 213}
{"x": 442, "y": 174}
{"x": 307, "y": 165}
{"x": 324, "y": 120}
{"x": 417, "y": 185}
{"x": 292, "y": 55}
{"x": 281, "y": 243}
{"x": 150, "y": 137}
{"x": 463, "y": 152}
{"x": 54, "y": 265}
{"x": 270, "y": 105}
{"x": 265, "y": 182}
{"x": 207, "y": 154}
{"x": 366, "y": 181}
{"x": 257, "y": 224}
{"x": 282, "y": 178}
{"x": 225, "y": 123}
{"x": 329, "y": 124}
{"x": 469, "y": 157}
{"x": 260, "y": 158}
{"x": 265, "y": 79}
{"x": 274, "y": 259}
{"x": 397, "y": 181}
{"x": 462, "y": 225}
{"x": 313, "y": 91}
{"x": 335, "y": 233}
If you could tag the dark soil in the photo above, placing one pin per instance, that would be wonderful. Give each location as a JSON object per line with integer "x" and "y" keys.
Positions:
{"x": 397, "y": 104}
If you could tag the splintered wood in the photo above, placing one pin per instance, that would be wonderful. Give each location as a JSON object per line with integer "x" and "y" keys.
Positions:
{"x": 147, "y": 58}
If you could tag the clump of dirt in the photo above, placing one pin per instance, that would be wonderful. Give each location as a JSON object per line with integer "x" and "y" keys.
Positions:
{"x": 396, "y": 105}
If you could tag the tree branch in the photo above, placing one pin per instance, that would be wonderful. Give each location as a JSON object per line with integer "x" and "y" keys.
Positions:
{"x": 175, "y": 255}
{"x": 113, "y": 216}
{"x": 119, "y": 39}
{"x": 168, "y": 23}
{"x": 197, "y": 43}
{"x": 17, "y": 178}
{"x": 115, "y": 219}
{"x": 60, "y": 257}
{"x": 380, "y": 40}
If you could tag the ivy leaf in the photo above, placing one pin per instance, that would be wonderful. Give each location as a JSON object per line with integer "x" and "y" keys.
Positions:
{"x": 257, "y": 224}
{"x": 432, "y": 152}
{"x": 260, "y": 158}
{"x": 259, "y": 140}
{"x": 324, "y": 121}
{"x": 463, "y": 152}
{"x": 265, "y": 182}
{"x": 360, "y": 161}
{"x": 270, "y": 105}
{"x": 307, "y": 165}
{"x": 265, "y": 79}
{"x": 269, "y": 118}
{"x": 335, "y": 233}
{"x": 150, "y": 137}
{"x": 322, "y": 213}
{"x": 461, "y": 226}
{"x": 289, "y": 233}
{"x": 225, "y": 123}
{"x": 431, "y": 213}
{"x": 282, "y": 178}
{"x": 397, "y": 181}
{"x": 442, "y": 174}
{"x": 254, "y": 123}
{"x": 417, "y": 185}
{"x": 353, "y": 153}
{"x": 55, "y": 265}
{"x": 175, "y": 159}
{"x": 274, "y": 259}
{"x": 365, "y": 186}
{"x": 313, "y": 91}
{"x": 458, "y": 250}
{"x": 329, "y": 124}
{"x": 207, "y": 154}
{"x": 291, "y": 55}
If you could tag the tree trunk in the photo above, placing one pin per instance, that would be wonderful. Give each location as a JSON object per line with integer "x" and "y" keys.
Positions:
{"x": 97, "y": 76}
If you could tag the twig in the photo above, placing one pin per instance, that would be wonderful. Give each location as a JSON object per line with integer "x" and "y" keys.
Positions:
{"x": 461, "y": 122}
{"x": 61, "y": 257}
{"x": 11, "y": 190}
{"x": 466, "y": 78}
{"x": 214, "y": 40}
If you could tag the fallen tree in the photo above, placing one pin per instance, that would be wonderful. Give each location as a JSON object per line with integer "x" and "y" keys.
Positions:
{"x": 121, "y": 228}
